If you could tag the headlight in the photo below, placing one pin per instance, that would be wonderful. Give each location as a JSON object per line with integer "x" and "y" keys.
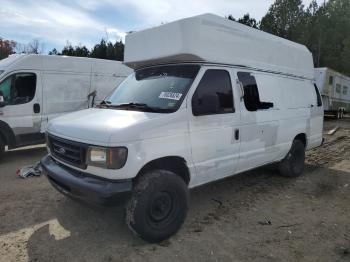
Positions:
{"x": 111, "y": 158}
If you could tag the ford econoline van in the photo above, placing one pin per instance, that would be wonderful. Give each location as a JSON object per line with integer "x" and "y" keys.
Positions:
{"x": 36, "y": 88}
{"x": 209, "y": 98}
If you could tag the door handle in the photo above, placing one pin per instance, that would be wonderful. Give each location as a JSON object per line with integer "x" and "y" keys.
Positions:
{"x": 236, "y": 134}
{"x": 36, "y": 108}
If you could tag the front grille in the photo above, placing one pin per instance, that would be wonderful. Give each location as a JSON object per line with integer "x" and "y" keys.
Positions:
{"x": 72, "y": 153}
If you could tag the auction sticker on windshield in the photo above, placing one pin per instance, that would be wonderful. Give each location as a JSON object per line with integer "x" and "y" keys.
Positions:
{"x": 170, "y": 95}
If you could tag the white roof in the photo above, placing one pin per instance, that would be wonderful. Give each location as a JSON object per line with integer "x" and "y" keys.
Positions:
{"x": 64, "y": 64}
{"x": 214, "y": 39}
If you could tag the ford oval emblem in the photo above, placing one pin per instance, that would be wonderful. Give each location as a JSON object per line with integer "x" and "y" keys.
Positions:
{"x": 61, "y": 150}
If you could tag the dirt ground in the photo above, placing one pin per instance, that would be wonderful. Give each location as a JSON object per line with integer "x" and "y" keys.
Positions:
{"x": 255, "y": 216}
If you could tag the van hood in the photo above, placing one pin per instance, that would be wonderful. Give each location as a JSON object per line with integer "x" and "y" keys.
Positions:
{"x": 111, "y": 127}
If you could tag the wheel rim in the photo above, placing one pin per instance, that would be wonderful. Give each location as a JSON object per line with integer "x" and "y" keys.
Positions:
{"x": 163, "y": 208}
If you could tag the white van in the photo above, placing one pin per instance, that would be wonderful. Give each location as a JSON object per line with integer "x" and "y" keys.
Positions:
{"x": 209, "y": 98}
{"x": 36, "y": 88}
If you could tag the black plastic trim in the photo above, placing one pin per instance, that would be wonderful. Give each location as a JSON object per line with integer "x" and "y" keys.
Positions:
{"x": 85, "y": 187}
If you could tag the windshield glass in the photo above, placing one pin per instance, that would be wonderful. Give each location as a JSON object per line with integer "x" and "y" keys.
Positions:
{"x": 156, "y": 89}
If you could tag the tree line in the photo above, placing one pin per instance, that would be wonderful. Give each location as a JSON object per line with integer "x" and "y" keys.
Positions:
{"x": 103, "y": 50}
{"x": 324, "y": 29}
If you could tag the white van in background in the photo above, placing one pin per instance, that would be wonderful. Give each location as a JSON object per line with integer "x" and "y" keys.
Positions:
{"x": 36, "y": 88}
{"x": 209, "y": 98}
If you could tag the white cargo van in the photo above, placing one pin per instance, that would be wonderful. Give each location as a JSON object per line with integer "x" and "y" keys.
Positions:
{"x": 209, "y": 98}
{"x": 36, "y": 88}
{"x": 335, "y": 91}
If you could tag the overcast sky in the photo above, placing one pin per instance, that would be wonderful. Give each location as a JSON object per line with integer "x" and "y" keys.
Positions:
{"x": 53, "y": 22}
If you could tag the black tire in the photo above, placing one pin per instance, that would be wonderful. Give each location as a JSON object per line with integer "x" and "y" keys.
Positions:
{"x": 158, "y": 206}
{"x": 293, "y": 164}
{"x": 2, "y": 148}
{"x": 338, "y": 115}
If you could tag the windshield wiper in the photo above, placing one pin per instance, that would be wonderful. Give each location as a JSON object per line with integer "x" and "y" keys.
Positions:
{"x": 134, "y": 105}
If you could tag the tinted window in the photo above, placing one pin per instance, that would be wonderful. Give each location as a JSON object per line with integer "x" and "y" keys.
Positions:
{"x": 345, "y": 90}
{"x": 162, "y": 88}
{"x": 18, "y": 88}
{"x": 319, "y": 99}
{"x": 330, "y": 81}
{"x": 251, "y": 93}
{"x": 338, "y": 88}
{"x": 214, "y": 91}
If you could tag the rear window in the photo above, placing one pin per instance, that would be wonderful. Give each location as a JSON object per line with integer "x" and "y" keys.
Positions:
{"x": 338, "y": 88}
{"x": 330, "y": 80}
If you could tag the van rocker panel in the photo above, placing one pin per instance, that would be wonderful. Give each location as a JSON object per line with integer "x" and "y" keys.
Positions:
{"x": 85, "y": 187}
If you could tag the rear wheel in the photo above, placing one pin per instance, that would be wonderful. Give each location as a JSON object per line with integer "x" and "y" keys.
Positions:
{"x": 338, "y": 115}
{"x": 2, "y": 148}
{"x": 293, "y": 164}
{"x": 158, "y": 206}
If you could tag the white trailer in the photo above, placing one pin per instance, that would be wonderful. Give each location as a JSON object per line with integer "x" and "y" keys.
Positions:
{"x": 335, "y": 90}
{"x": 37, "y": 88}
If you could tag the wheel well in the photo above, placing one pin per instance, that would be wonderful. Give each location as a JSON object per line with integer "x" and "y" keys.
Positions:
{"x": 174, "y": 164}
{"x": 301, "y": 137}
{"x": 6, "y": 134}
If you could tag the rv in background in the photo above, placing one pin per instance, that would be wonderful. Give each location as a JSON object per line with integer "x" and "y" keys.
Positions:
{"x": 335, "y": 90}
{"x": 37, "y": 88}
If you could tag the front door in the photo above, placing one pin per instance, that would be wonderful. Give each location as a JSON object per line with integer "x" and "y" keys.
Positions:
{"x": 23, "y": 105}
{"x": 213, "y": 116}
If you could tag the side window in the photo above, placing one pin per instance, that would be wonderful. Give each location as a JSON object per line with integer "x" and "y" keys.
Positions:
{"x": 251, "y": 93}
{"x": 330, "y": 81}
{"x": 214, "y": 94}
{"x": 319, "y": 99}
{"x": 338, "y": 88}
{"x": 345, "y": 90}
{"x": 18, "y": 88}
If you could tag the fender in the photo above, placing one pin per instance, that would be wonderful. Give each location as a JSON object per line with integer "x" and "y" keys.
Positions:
{"x": 7, "y": 134}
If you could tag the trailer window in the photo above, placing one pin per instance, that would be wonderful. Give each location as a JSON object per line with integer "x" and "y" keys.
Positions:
{"x": 345, "y": 90}
{"x": 18, "y": 88}
{"x": 216, "y": 86}
{"x": 251, "y": 93}
{"x": 319, "y": 99}
{"x": 338, "y": 88}
{"x": 330, "y": 81}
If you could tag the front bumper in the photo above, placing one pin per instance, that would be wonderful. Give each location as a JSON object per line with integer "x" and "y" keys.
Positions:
{"x": 85, "y": 187}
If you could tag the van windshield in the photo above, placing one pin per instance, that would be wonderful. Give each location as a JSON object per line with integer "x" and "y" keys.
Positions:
{"x": 158, "y": 89}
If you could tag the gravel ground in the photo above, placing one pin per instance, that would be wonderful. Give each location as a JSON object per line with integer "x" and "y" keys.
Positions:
{"x": 255, "y": 216}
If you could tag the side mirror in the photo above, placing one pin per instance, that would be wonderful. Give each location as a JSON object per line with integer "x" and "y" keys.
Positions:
{"x": 2, "y": 100}
{"x": 207, "y": 105}
{"x": 91, "y": 95}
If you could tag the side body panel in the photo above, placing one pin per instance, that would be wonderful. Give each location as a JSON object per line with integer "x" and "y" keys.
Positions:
{"x": 215, "y": 151}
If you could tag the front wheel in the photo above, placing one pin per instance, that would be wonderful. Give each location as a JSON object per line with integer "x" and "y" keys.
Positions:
{"x": 293, "y": 164}
{"x": 158, "y": 206}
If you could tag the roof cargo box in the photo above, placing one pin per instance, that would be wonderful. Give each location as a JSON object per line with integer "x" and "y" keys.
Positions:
{"x": 214, "y": 39}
